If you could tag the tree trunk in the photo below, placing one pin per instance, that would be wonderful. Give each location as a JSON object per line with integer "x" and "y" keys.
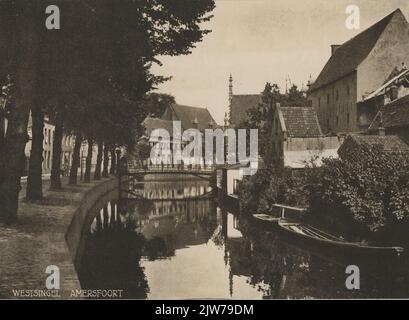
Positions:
{"x": 105, "y": 173}
{"x": 97, "y": 174}
{"x": 87, "y": 175}
{"x": 26, "y": 42}
{"x": 34, "y": 190}
{"x": 57, "y": 150}
{"x": 75, "y": 160}
{"x": 113, "y": 162}
{"x": 2, "y": 142}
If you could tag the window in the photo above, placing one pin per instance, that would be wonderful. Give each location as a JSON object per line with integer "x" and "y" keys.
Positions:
{"x": 348, "y": 91}
{"x": 348, "y": 118}
{"x": 337, "y": 95}
{"x": 328, "y": 98}
{"x": 337, "y": 120}
{"x": 319, "y": 102}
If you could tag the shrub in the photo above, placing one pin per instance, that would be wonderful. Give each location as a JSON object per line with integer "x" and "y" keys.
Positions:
{"x": 369, "y": 187}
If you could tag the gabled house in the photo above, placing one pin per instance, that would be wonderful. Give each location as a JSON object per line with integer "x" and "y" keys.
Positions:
{"x": 355, "y": 69}
{"x": 297, "y": 138}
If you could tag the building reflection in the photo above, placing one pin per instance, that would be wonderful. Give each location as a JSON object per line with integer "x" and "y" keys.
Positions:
{"x": 281, "y": 271}
{"x": 129, "y": 240}
{"x": 125, "y": 232}
{"x": 168, "y": 190}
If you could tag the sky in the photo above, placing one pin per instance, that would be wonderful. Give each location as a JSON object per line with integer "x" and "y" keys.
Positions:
{"x": 260, "y": 41}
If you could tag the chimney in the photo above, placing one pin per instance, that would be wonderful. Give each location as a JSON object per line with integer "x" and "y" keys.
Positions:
{"x": 334, "y": 48}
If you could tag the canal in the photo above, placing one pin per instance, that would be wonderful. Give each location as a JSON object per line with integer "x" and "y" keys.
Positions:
{"x": 177, "y": 242}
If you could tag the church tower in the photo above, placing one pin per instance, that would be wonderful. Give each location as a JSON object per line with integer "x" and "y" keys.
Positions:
{"x": 230, "y": 93}
{"x": 230, "y": 88}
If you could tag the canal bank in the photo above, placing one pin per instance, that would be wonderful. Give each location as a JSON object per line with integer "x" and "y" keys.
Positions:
{"x": 40, "y": 238}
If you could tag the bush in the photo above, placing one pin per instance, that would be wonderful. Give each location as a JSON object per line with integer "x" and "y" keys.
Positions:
{"x": 369, "y": 188}
{"x": 268, "y": 186}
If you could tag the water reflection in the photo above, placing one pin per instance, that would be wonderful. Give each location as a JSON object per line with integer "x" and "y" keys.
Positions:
{"x": 190, "y": 248}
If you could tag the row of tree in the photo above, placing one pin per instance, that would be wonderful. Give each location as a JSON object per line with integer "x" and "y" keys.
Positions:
{"x": 90, "y": 77}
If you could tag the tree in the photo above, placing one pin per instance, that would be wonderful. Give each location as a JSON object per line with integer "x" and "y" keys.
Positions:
{"x": 23, "y": 17}
{"x": 55, "y": 183}
{"x": 105, "y": 171}
{"x": 155, "y": 104}
{"x": 97, "y": 173}
{"x": 75, "y": 163}
{"x": 34, "y": 181}
{"x": 102, "y": 43}
{"x": 88, "y": 161}
{"x": 261, "y": 117}
{"x": 295, "y": 98}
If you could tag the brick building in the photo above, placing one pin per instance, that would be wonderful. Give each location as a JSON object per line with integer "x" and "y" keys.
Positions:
{"x": 355, "y": 69}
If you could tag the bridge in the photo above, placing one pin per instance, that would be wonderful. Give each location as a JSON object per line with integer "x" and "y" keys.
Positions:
{"x": 131, "y": 167}
{"x": 135, "y": 173}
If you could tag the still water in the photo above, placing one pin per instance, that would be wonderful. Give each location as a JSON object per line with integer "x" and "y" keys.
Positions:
{"x": 178, "y": 243}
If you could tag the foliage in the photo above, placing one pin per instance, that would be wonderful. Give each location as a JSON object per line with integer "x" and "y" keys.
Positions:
{"x": 364, "y": 193}
{"x": 96, "y": 68}
{"x": 261, "y": 117}
{"x": 269, "y": 186}
{"x": 155, "y": 104}
{"x": 368, "y": 186}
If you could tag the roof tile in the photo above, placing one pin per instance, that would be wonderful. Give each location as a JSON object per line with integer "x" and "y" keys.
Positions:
{"x": 301, "y": 122}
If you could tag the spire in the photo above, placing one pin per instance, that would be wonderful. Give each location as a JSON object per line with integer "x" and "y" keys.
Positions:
{"x": 230, "y": 88}
{"x": 226, "y": 120}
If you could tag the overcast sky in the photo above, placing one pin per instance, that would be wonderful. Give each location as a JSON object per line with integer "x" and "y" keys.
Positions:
{"x": 263, "y": 40}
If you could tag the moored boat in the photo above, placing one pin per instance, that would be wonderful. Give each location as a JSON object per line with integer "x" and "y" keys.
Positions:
{"x": 265, "y": 220}
{"x": 307, "y": 235}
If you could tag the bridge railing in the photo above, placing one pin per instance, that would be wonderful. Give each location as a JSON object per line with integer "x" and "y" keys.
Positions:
{"x": 134, "y": 166}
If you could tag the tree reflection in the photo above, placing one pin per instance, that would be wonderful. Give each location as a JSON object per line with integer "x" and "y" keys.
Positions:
{"x": 112, "y": 257}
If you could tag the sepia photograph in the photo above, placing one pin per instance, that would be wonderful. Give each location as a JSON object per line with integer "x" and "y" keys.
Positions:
{"x": 234, "y": 150}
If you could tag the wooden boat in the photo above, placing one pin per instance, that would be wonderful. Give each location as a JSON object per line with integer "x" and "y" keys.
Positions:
{"x": 308, "y": 235}
{"x": 265, "y": 220}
